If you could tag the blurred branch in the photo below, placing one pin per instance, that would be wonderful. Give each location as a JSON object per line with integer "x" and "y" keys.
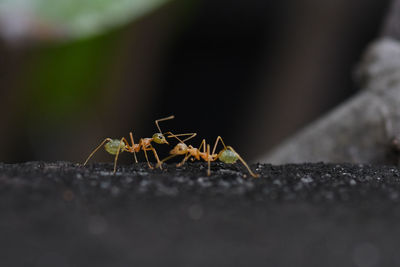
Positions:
{"x": 365, "y": 128}
{"x": 360, "y": 129}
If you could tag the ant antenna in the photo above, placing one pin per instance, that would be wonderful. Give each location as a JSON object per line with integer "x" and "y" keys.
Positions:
{"x": 164, "y": 119}
{"x": 185, "y": 134}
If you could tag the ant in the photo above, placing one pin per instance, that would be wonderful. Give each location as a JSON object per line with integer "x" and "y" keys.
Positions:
{"x": 115, "y": 146}
{"x": 227, "y": 154}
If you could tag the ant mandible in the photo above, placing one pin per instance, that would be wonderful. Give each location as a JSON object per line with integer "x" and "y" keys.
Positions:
{"x": 227, "y": 154}
{"x": 116, "y": 146}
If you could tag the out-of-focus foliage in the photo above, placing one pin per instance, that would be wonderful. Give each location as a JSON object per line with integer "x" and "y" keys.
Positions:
{"x": 44, "y": 19}
{"x": 67, "y": 77}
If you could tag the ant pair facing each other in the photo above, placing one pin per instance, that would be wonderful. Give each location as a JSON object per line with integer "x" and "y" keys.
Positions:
{"x": 116, "y": 146}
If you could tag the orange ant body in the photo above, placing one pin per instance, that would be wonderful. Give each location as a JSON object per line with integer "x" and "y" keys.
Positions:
{"x": 116, "y": 146}
{"x": 227, "y": 154}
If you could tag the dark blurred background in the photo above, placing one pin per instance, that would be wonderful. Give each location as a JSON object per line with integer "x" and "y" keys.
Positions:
{"x": 252, "y": 71}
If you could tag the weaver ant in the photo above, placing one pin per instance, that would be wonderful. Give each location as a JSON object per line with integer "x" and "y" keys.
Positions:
{"x": 115, "y": 146}
{"x": 227, "y": 154}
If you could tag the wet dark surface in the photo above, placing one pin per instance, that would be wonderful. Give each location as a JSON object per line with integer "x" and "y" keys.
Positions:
{"x": 61, "y": 214}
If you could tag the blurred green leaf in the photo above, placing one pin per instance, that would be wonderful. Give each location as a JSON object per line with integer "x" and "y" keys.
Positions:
{"x": 65, "y": 79}
{"x": 71, "y": 18}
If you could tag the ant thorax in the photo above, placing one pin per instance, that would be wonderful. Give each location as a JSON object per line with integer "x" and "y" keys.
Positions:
{"x": 145, "y": 142}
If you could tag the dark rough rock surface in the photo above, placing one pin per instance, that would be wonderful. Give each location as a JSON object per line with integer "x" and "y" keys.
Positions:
{"x": 62, "y": 214}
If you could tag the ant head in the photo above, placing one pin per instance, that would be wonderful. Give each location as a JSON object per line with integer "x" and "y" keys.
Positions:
{"x": 159, "y": 138}
{"x": 179, "y": 149}
{"x": 113, "y": 145}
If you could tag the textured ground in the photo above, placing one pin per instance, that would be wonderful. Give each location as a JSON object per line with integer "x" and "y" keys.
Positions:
{"x": 61, "y": 214}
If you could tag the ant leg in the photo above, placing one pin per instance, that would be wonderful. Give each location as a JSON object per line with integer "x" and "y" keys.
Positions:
{"x": 127, "y": 146}
{"x": 133, "y": 147}
{"x": 203, "y": 144}
{"x": 156, "y": 156}
{"x": 147, "y": 159}
{"x": 97, "y": 148}
{"x": 208, "y": 160}
{"x": 116, "y": 155}
{"x": 244, "y": 163}
{"x": 167, "y": 158}
{"x": 163, "y": 119}
{"x": 219, "y": 138}
{"x": 187, "y": 156}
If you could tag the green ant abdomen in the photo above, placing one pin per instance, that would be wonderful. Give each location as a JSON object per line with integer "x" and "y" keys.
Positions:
{"x": 228, "y": 156}
{"x": 112, "y": 146}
